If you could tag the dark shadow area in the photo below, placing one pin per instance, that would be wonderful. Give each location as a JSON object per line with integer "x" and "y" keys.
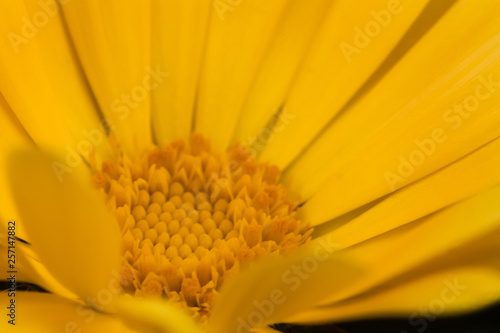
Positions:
{"x": 483, "y": 321}
{"x": 21, "y": 286}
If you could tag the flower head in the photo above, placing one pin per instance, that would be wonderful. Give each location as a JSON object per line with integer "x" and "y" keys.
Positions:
{"x": 222, "y": 166}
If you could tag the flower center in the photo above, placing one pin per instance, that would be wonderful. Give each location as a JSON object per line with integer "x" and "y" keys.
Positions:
{"x": 191, "y": 217}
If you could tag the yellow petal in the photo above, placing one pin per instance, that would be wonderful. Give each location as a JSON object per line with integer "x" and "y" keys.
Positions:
{"x": 12, "y": 132}
{"x": 448, "y": 292}
{"x": 67, "y": 224}
{"x": 238, "y": 38}
{"x": 27, "y": 268}
{"x": 180, "y": 29}
{"x": 27, "y": 263}
{"x": 468, "y": 176}
{"x": 12, "y": 135}
{"x": 470, "y": 271}
{"x": 332, "y": 73}
{"x": 156, "y": 316}
{"x": 422, "y": 241}
{"x": 42, "y": 82}
{"x": 396, "y": 135}
{"x": 41, "y": 312}
{"x": 112, "y": 39}
{"x": 299, "y": 26}
{"x": 277, "y": 287}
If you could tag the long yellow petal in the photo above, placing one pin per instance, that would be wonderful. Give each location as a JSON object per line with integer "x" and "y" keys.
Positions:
{"x": 448, "y": 292}
{"x": 469, "y": 176}
{"x": 42, "y": 312}
{"x": 396, "y": 135}
{"x": 471, "y": 271}
{"x": 42, "y": 82}
{"x": 67, "y": 224}
{"x": 279, "y": 68}
{"x": 239, "y": 36}
{"x": 112, "y": 39}
{"x": 178, "y": 43}
{"x": 333, "y": 72}
{"x": 418, "y": 243}
{"x": 277, "y": 287}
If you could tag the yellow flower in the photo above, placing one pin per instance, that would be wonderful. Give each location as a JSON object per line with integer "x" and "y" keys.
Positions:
{"x": 263, "y": 161}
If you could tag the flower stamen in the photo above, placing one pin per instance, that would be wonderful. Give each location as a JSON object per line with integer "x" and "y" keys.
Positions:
{"x": 190, "y": 217}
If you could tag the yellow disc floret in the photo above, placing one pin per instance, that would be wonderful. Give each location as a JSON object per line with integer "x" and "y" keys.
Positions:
{"x": 191, "y": 217}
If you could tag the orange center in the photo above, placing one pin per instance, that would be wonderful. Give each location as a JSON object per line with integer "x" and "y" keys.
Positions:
{"x": 191, "y": 217}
